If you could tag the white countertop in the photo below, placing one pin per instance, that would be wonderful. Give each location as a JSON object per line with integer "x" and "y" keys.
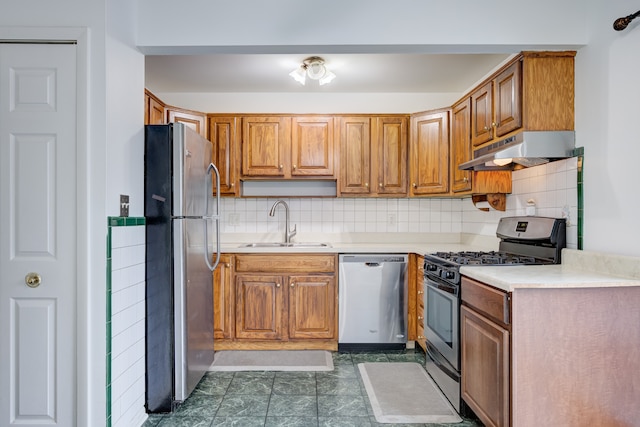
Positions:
{"x": 579, "y": 269}
{"x": 419, "y": 243}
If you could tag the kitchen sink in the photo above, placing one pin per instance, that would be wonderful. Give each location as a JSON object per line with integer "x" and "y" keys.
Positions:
{"x": 285, "y": 245}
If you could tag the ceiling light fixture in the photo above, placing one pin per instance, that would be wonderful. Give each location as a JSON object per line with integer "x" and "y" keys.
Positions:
{"x": 313, "y": 68}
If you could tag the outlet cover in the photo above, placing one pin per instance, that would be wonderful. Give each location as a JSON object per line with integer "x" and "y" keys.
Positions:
{"x": 124, "y": 205}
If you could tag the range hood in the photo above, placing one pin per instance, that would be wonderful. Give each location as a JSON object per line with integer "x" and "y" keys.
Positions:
{"x": 527, "y": 148}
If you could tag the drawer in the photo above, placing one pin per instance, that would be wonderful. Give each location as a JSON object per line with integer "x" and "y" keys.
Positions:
{"x": 485, "y": 299}
{"x": 285, "y": 263}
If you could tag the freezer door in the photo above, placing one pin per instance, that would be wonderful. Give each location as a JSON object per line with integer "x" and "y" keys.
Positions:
{"x": 193, "y": 293}
{"x": 192, "y": 194}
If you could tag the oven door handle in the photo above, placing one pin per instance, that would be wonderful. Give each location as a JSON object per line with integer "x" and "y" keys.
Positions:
{"x": 451, "y": 374}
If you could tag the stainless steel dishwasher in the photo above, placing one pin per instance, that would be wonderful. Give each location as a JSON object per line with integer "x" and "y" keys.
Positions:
{"x": 373, "y": 301}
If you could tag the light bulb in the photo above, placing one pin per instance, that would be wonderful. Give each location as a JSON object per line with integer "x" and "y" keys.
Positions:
{"x": 502, "y": 162}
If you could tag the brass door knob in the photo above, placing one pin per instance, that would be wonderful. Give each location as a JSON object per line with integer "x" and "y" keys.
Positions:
{"x": 33, "y": 280}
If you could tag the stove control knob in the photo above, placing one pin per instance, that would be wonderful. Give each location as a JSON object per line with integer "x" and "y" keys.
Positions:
{"x": 431, "y": 267}
{"x": 449, "y": 275}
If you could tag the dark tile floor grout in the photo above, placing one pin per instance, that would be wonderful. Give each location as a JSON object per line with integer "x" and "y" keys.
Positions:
{"x": 288, "y": 399}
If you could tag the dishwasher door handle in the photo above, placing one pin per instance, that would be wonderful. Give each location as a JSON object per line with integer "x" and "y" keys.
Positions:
{"x": 372, "y": 264}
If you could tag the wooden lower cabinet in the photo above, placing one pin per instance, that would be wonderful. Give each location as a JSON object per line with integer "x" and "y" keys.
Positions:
{"x": 416, "y": 301}
{"x": 223, "y": 299}
{"x": 280, "y": 302}
{"x": 485, "y": 367}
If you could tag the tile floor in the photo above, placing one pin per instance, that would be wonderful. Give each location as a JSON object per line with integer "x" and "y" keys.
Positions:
{"x": 288, "y": 399}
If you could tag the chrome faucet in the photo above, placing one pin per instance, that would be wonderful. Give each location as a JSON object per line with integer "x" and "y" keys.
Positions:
{"x": 288, "y": 234}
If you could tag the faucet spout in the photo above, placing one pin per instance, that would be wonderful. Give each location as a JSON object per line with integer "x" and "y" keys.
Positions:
{"x": 288, "y": 233}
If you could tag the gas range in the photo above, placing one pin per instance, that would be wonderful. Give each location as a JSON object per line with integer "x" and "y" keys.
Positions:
{"x": 524, "y": 240}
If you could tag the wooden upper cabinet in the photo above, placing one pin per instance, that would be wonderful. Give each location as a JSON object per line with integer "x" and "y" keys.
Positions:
{"x": 508, "y": 105}
{"x": 460, "y": 145}
{"x": 153, "y": 110}
{"x": 482, "y": 116}
{"x": 196, "y": 121}
{"x": 429, "y": 168}
{"x": 312, "y": 152}
{"x": 534, "y": 92}
{"x": 355, "y": 155}
{"x": 391, "y": 160}
{"x": 266, "y": 143}
{"x": 223, "y": 136}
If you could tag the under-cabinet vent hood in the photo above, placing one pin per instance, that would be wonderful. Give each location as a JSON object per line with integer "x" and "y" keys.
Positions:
{"x": 527, "y": 148}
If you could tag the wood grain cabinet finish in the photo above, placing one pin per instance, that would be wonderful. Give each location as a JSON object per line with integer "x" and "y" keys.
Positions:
{"x": 415, "y": 324}
{"x": 485, "y": 367}
{"x": 429, "y": 167}
{"x": 391, "y": 138}
{"x": 284, "y": 301}
{"x": 153, "y": 110}
{"x": 460, "y": 146}
{"x": 533, "y": 92}
{"x": 354, "y": 135}
{"x": 312, "y": 146}
{"x": 192, "y": 119}
{"x": 373, "y": 155}
{"x": 223, "y": 135}
{"x": 223, "y": 299}
{"x": 266, "y": 142}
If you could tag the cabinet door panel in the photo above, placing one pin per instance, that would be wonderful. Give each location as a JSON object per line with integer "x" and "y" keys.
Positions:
{"x": 223, "y": 299}
{"x": 460, "y": 145}
{"x": 312, "y": 146}
{"x": 259, "y": 307}
{"x": 155, "y": 112}
{"x": 482, "y": 115}
{"x": 355, "y": 155}
{"x": 430, "y": 154}
{"x": 391, "y": 140}
{"x": 485, "y": 367}
{"x": 195, "y": 121}
{"x": 312, "y": 301}
{"x": 508, "y": 100}
{"x": 222, "y": 133}
{"x": 265, "y": 144}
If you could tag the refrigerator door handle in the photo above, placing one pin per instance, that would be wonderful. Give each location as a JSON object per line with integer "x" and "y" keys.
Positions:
{"x": 216, "y": 217}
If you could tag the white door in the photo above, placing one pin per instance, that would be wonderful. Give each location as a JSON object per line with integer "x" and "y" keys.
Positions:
{"x": 38, "y": 234}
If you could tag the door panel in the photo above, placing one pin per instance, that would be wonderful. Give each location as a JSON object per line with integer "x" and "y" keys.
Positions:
{"x": 38, "y": 225}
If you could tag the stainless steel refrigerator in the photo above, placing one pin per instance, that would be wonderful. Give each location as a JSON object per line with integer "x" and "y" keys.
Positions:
{"x": 182, "y": 249}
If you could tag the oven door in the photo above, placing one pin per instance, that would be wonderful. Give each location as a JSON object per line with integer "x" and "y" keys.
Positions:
{"x": 442, "y": 305}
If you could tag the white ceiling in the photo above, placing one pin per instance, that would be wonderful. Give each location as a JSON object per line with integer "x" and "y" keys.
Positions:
{"x": 356, "y": 73}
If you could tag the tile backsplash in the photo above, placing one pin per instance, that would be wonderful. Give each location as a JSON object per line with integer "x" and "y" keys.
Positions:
{"x": 552, "y": 187}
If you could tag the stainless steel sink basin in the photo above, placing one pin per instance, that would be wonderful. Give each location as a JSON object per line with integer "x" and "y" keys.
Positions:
{"x": 308, "y": 245}
{"x": 263, "y": 245}
{"x": 284, "y": 245}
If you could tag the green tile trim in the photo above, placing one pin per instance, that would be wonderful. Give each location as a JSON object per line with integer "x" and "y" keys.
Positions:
{"x": 113, "y": 221}
{"x": 580, "y": 198}
{"x": 128, "y": 221}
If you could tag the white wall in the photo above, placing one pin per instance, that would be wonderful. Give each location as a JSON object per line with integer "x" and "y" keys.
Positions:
{"x": 607, "y": 115}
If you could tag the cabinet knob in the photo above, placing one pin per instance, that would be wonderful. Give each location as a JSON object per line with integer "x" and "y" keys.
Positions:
{"x": 292, "y": 284}
{"x": 487, "y": 128}
{"x": 277, "y": 285}
{"x": 465, "y": 179}
{"x": 295, "y": 167}
{"x": 227, "y": 265}
{"x": 366, "y": 184}
{"x": 420, "y": 317}
{"x": 494, "y": 124}
{"x": 414, "y": 185}
{"x": 420, "y": 292}
{"x": 380, "y": 185}
{"x": 232, "y": 184}
{"x": 420, "y": 337}
{"x": 281, "y": 167}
